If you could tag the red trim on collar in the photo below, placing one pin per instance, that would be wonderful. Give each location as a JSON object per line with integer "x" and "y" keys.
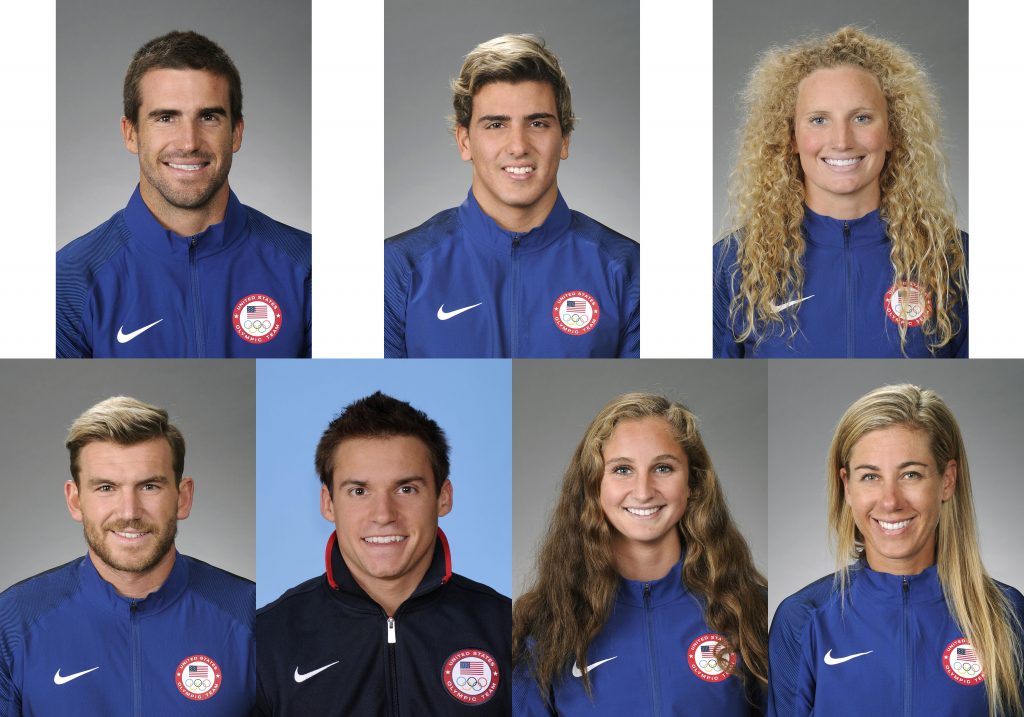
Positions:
{"x": 447, "y": 557}
{"x": 327, "y": 557}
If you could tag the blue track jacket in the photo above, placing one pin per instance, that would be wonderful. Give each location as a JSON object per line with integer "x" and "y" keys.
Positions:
{"x": 654, "y": 657}
{"x": 71, "y": 646}
{"x": 238, "y": 289}
{"x": 893, "y": 649}
{"x": 850, "y": 307}
{"x": 461, "y": 286}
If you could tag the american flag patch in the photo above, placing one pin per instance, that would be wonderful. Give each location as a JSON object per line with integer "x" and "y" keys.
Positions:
{"x": 256, "y": 311}
{"x": 198, "y": 671}
{"x": 966, "y": 654}
{"x": 471, "y": 668}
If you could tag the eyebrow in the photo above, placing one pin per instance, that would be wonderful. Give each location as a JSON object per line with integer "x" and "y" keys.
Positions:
{"x": 99, "y": 480}
{"x": 662, "y": 457}
{"x": 901, "y": 466}
{"x": 354, "y": 483}
{"x": 507, "y": 118}
{"x": 852, "y": 111}
{"x": 178, "y": 113}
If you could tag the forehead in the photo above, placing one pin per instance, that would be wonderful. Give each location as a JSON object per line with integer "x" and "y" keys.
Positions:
{"x": 642, "y": 437}
{"x": 892, "y": 444}
{"x": 514, "y": 98}
{"x": 381, "y": 460}
{"x": 171, "y": 89}
{"x": 110, "y": 460}
{"x": 844, "y": 86}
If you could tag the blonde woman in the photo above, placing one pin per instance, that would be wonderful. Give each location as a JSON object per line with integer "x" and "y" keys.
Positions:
{"x": 647, "y": 601}
{"x": 914, "y": 626}
{"x": 846, "y": 241}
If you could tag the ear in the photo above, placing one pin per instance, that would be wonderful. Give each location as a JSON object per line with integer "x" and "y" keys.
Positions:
{"x": 846, "y": 484}
{"x": 949, "y": 480}
{"x": 462, "y": 141}
{"x": 565, "y": 146}
{"x": 236, "y": 136}
{"x": 74, "y": 501}
{"x": 444, "y": 500}
{"x": 186, "y": 491}
{"x": 326, "y": 504}
{"x": 130, "y": 134}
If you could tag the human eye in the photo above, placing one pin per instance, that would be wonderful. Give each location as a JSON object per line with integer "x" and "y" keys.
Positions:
{"x": 357, "y": 491}
{"x": 663, "y": 468}
{"x": 541, "y": 124}
{"x": 210, "y": 117}
{"x": 407, "y": 490}
{"x": 817, "y": 121}
{"x": 912, "y": 475}
{"x": 150, "y": 487}
{"x": 869, "y": 477}
{"x": 862, "y": 119}
{"x": 494, "y": 125}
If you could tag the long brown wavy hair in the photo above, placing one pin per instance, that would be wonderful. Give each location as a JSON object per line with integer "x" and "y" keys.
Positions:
{"x": 977, "y": 604}
{"x": 576, "y": 582}
{"x": 767, "y": 187}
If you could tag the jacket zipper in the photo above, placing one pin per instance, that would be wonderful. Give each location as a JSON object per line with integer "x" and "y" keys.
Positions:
{"x": 655, "y": 706}
{"x": 392, "y": 666}
{"x": 514, "y": 323}
{"x": 849, "y": 291}
{"x": 196, "y": 306}
{"x": 907, "y": 661}
{"x": 136, "y": 659}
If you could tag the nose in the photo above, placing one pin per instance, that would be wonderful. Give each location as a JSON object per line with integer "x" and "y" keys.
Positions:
{"x": 188, "y": 137}
{"x": 384, "y": 509}
{"x": 517, "y": 139}
{"x": 892, "y": 497}
{"x": 643, "y": 489}
{"x": 842, "y": 135}
{"x": 131, "y": 505}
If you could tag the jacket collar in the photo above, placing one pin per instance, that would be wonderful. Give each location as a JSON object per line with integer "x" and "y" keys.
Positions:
{"x": 661, "y": 591}
{"x": 343, "y": 585}
{"x": 826, "y": 231}
{"x": 103, "y": 593}
{"x": 923, "y": 587}
{"x": 480, "y": 229}
{"x": 151, "y": 235}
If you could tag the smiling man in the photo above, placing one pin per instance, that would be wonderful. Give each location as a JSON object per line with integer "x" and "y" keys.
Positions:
{"x": 389, "y": 629}
{"x": 134, "y": 627}
{"x": 185, "y": 270}
{"x": 512, "y": 272}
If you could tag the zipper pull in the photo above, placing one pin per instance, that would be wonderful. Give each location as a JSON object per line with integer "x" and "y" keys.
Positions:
{"x": 391, "y": 631}
{"x": 906, "y": 584}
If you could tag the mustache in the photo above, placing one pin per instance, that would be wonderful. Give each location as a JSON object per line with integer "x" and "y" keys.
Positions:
{"x": 123, "y": 526}
{"x": 176, "y": 157}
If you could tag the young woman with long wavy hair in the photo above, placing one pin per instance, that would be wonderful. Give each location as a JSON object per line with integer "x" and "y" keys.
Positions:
{"x": 646, "y": 599}
{"x": 914, "y": 625}
{"x": 844, "y": 233}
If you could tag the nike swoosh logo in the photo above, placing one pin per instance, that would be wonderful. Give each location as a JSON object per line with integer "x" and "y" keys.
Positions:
{"x": 576, "y": 670}
{"x": 794, "y": 302}
{"x": 299, "y": 677}
{"x": 58, "y": 679}
{"x": 829, "y": 660}
{"x": 445, "y": 315}
{"x": 123, "y": 338}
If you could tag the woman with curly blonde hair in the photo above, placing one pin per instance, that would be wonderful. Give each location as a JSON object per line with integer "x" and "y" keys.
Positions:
{"x": 914, "y": 625}
{"x": 646, "y": 599}
{"x": 846, "y": 240}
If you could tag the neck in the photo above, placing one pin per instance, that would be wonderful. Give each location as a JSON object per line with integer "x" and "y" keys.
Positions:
{"x": 182, "y": 221}
{"x": 131, "y": 584}
{"x": 390, "y": 594}
{"x": 517, "y": 219}
{"x": 646, "y": 561}
{"x": 910, "y": 566}
{"x": 845, "y": 207}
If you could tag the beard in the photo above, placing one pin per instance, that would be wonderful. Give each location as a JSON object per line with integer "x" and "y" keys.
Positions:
{"x": 131, "y": 561}
{"x": 191, "y": 196}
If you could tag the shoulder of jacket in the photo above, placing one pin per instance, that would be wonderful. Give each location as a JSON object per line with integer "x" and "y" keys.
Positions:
{"x": 230, "y": 593}
{"x": 82, "y": 258}
{"x": 294, "y": 243}
{"x": 26, "y": 601}
{"x": 296, "y": 598}
{"x": 420, "y": 240}
{"x": 797, "y": 610}
{"x": 616, "y": 245}
{"x": 480, "y": 593}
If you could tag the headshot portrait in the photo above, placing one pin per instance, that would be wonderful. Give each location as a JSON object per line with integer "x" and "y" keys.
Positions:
{"x": 533, "y": 110}
{"x": 639, "y": 590}
{"x": 384, "y": 524}
{"x": 837, "y": 184}
{"x": 210, "y": 256}
{"x": 896, "y": 579}
{"x": 159, "y": 596}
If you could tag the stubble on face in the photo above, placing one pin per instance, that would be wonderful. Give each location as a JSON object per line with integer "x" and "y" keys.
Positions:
{"x": 138, "y": 562}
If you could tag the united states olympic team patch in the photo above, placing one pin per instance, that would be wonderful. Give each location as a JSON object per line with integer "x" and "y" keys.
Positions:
{"x": 961, "y": 663}
{"x": 471, "y": 676}
{"x": 701, "y": 657}
{"x": 256, "y": 318}
{"x": 198, "y": 677}
{"x": 576, "y": 312}
{"x": 907, "y": 305}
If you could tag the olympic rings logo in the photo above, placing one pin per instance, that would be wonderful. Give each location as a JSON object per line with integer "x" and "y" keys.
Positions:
{"x": 711, "y": 664}
{"x": 966, "y": 668}
{"x": 575, "y": 319}
{"x": 474, "y": 683}
{"x": 257, "y": 325}
{"x": 197, "y": 684}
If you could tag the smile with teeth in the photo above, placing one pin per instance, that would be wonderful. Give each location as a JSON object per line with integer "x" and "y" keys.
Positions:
{"x": 384, "y": 539}
{"x": 131, "y": 535}
{"x": 899, "y": 525}
{"x": 843, "y": 162}
{"x": 186, "y": 167}
{"x": 519, "y": 170}
{"x": 644, "y": 512}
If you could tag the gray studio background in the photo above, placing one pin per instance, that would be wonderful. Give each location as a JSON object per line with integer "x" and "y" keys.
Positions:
{"x": 554, "y": 401}
{"x": 598, "y": 45}
{"x": 270, "y": 44}
{"x": 935, "y": 31}
{"x": 212, "y": 402}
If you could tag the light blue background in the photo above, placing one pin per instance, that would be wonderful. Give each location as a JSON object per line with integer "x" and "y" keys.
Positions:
{"x": 470, "y": 399}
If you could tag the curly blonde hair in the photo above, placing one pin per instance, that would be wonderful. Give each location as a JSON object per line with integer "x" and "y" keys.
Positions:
{"x": 576, "y": 584}
{"x": 767, "y": 187}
